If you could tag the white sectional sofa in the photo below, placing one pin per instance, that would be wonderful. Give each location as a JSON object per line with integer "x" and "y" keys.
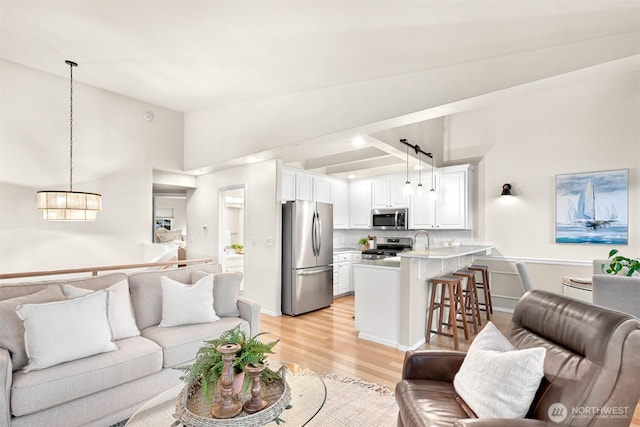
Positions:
{"x": 102, "y": 389}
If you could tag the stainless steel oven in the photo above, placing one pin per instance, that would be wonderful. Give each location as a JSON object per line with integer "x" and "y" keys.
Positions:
{"x": 390, "y": 219}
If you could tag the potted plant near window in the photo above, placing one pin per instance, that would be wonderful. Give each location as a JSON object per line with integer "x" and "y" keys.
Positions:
{"x": 207, "y": 368}
{"x": 621, "y": 264}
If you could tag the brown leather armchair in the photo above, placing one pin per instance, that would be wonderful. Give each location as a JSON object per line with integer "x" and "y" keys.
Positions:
{"x": 592, "y": 364}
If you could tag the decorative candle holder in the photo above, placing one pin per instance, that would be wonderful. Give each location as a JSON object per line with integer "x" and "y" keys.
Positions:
{"x": 227, "y": 406}
{"x": 257, "y": 402}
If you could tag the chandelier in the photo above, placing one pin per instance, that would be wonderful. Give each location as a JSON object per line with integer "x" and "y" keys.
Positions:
{"x": 69, "y": 205}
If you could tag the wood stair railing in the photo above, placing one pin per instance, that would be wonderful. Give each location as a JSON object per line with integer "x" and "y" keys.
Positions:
{"x": 95, "y": 270}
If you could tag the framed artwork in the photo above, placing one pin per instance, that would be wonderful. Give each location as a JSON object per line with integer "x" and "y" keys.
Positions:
{"x": 592, "y": 207}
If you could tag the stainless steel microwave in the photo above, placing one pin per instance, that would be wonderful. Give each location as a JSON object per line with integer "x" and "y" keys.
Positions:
{"x": 390, "y": 219}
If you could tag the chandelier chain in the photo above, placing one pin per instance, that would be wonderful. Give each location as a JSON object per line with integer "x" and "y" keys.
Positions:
{"x": 71, "y": 129}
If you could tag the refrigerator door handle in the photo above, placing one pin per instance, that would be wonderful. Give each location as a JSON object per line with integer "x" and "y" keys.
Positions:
{"x": 310, "y": 272}
{"x": 319, "y": 227}
{"x": 313, "y": 235}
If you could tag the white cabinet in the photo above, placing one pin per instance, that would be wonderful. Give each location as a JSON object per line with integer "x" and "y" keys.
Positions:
{"x": 360, "y": 204}
{"x": 450, "y": 206}
{"x": 344, "y": 277}
{"x": 342, "y": 272}
{"x": 322, "y": 189}
{"x": 304, "y": 186}
{"x": 340, "y": 204}
{"x": 288, "y": 185}
{"x": 388, "y": 193}
{"x": 300, "y": 185}
{"x": 423, "y": 210}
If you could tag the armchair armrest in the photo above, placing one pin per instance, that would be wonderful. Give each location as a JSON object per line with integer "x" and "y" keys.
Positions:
{"x": 432, "y": 365}
{"x": 6, "y": 376}
{"x": 503, "y": 422}
{"x": 250, "y": 311}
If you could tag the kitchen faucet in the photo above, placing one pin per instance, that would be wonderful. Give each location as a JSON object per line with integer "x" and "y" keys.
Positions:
{"x": 426, "y": 246}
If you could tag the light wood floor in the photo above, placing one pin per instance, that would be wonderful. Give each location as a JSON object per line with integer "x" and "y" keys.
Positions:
{"x": 327, "y": 342}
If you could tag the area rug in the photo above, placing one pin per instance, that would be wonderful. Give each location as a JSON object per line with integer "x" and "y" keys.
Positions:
{"x": 352, "y": 402}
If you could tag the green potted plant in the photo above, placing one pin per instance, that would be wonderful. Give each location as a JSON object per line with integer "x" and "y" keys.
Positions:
{"x": 618, "y": 263}
{"x": 207, "y": 368}
{"x": 364, "y": 242}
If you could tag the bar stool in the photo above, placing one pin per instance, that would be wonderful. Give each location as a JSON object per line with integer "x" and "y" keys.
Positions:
{"x": 470, "y": 294}
{"x": 487, "y": 305}
{"x": 451, "y": 287}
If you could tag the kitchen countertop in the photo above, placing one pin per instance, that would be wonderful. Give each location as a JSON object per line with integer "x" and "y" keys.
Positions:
{"x": 448, "y": 252}
{"x": 338, "y": 250}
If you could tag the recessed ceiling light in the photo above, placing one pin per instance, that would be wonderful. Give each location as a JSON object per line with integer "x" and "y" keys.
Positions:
{"x": 418, "y": 167}
{"x": 358, "y": 141}
{"x": 252, "y": 159}
{"x": 351, "y": 176}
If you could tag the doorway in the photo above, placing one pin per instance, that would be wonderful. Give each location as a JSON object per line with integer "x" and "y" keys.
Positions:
{"x": 232, "y": 230}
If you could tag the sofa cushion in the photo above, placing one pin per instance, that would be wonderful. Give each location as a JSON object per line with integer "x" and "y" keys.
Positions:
{"x": 496, "y": 380}
{"x": 187, "y": 304}
{"x": 119, "y": 308}
{"x": 137, "y": 357}
{"x": 226, "y": 291}
{"x": 429, "y": 403}
{"x": 61, "y": 331}
{"x": 146, "y": 291}
{"x": 12, "y": 330}
{"x": 180, "y": 344}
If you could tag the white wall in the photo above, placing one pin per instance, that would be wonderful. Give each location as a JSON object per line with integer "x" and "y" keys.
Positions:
{"x": 591, "y": 126}
{"x": 263, "y": 221}
{"x": 115, "y": 150}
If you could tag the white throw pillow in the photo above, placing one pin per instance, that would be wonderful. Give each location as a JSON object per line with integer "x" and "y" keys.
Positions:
{"x": 187, "y": 304}
{"x": 119, "y": 309}
{"x": 61, "y": 331}
{"x": 497, "y": 380}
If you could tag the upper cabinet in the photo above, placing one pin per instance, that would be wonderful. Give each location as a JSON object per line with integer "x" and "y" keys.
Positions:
{"x": 288, "y": 185}
{"x": 340, "y": 204}
{"x": 323, "y": 189}
{"x": 360, "y": 204}
{"x": 300, "y": 185}
{"x": 450, "y": 206}
{"x": 388, "y": 193}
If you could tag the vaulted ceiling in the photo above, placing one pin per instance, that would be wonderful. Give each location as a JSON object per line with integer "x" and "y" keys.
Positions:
{"x": 190, "y": 55}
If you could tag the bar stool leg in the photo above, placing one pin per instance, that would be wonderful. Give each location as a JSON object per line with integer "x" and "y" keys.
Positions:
{"x": 460, "y": 303}
{"x": 486, "y": 288}
{"x": 452, "y": 315}
{"x": 485, "y": 278}
{"x": 430, "y": 311}
{"x": 471, "y": 307}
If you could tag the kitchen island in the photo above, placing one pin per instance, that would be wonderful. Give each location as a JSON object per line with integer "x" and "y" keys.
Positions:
{"x": 392, "y": 298}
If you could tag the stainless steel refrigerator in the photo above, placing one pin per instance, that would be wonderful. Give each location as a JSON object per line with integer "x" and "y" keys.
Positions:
{"x": 307, "y": 256}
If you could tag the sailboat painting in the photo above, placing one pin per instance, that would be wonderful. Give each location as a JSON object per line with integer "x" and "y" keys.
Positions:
{"x": 592, "y": 207}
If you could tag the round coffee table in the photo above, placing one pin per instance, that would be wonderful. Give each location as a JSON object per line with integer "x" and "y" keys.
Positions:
{"x": 308, "y": 394}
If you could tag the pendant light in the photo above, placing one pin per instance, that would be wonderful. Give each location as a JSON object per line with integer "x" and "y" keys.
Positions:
{"x": 69, "y": 205}
{"x": 420, "y": 188}
{"x": 433, "y": 189}
{"x": 407, "y": 185}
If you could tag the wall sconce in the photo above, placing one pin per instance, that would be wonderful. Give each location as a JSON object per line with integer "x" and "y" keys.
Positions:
{"x": 506, "y": 190}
